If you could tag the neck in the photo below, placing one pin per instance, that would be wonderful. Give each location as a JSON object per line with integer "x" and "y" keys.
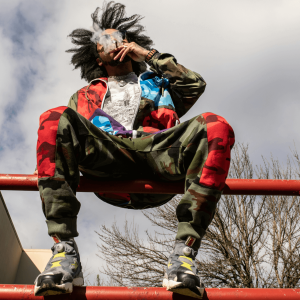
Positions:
{"x": 120, "y": 70}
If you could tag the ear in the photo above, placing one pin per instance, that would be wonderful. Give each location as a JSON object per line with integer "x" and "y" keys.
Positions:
{"x": 99, "y": 62}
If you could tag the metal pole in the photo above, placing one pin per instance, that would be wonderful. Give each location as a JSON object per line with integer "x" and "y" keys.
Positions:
{"x": 233, "y": 186}
{"x": 20, "y": 292}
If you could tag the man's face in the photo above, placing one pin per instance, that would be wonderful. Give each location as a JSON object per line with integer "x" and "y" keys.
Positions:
{"x": 108, "y": 58}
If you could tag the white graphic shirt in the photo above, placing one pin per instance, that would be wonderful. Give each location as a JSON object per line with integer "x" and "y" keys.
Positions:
{"x": 124, "y": 99}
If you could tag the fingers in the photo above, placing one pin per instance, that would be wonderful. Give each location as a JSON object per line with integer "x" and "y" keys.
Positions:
{"x": 120, "y": 53}
{"x": 117, "y": 49}
{"x": 124, "y": 50}
{"x": 124, "y": 53}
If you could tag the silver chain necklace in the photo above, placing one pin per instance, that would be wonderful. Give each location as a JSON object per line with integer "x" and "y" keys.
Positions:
{"x": 122, "y": 77}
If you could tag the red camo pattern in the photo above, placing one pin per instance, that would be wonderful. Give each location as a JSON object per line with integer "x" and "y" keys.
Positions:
{"x": 150, "y": 129}
{"x": 163, "y": 118}
{"x": 95, "y": 93}
{"x": 46, "y": 144}
{"x": 220, "y": 137}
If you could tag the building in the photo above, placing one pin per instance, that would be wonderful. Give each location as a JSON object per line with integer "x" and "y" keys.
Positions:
{"x": 17, "y": 265}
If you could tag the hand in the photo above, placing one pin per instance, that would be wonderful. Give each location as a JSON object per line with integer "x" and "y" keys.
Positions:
{"x": 35, "y": 172}
{"x": 133, "y": 50}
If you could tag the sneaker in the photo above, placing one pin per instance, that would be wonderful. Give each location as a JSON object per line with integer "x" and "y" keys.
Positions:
{"x": 182, "y": 275}
{"x": 62, "y": 271}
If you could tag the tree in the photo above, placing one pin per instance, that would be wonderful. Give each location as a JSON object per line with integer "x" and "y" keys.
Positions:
{"x": 253, "y": 241}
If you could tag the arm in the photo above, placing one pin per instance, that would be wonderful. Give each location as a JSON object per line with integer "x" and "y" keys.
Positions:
{"x": 186, "y": 86}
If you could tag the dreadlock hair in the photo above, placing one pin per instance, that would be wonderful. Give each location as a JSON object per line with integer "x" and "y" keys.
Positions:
{"x": 113, "y": 16}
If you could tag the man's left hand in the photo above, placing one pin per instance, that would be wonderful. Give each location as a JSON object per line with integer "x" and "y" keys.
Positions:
{"x": 133, "y": 50}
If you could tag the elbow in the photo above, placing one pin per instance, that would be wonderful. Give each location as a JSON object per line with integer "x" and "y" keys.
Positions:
{"x": 203, "y": 83}
{"x": 201, "y": 87}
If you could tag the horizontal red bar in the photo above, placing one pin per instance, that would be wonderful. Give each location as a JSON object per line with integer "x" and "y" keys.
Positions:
{"x": 14, "y": 292}
{"x": 20, "y": 182}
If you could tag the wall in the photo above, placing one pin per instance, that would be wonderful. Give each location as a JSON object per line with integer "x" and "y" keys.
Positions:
{"x": 17, "y": 265}
{"x": 32, "y": 263}
{"x": 10, "y": 246}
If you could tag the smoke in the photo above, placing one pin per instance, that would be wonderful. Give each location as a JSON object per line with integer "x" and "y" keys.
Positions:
{"x": 108, "y": 41}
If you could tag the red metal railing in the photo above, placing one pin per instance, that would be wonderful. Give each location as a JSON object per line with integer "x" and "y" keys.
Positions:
{"x": 233, "y": 186}
{"x": 14, "y": 292}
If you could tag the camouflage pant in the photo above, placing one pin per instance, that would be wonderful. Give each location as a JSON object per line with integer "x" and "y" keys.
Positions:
{"x": 197, "y": 150}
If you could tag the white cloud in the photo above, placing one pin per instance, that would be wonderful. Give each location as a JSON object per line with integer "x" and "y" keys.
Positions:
{"x": 8, "y": 66}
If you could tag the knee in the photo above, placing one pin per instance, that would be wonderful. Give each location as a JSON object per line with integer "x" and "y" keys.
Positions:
{"x": 51, "y": 116}
{"x": 220, "y": 139}
{"x": 218, "y": 129}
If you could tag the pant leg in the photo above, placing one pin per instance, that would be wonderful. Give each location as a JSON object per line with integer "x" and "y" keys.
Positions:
{"x": 67, "y": 143}
{"x": 199, "y": 151}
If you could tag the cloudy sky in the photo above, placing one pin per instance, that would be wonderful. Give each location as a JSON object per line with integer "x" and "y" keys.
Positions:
{"x": 247, "y": 51}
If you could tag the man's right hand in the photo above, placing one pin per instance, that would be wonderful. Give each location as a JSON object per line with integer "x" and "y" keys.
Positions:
{"x": 35, "y": 172}
{"x": 133, "y": 50}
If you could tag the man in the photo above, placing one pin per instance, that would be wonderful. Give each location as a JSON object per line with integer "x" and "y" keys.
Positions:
{"x": 125, "y": 124}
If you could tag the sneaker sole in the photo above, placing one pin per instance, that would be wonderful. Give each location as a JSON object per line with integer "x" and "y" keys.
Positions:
{"x": 178, "y": 288}
{"x": 64, "y": 288}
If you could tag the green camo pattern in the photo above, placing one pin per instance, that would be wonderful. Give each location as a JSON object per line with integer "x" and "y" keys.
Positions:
{"x": 174, "y": 154}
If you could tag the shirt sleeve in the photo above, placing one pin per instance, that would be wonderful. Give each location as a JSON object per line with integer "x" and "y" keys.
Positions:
{"x": 186, "y": 86}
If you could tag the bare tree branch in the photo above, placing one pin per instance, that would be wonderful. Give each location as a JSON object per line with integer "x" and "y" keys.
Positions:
{"x": 253, "y": 241}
